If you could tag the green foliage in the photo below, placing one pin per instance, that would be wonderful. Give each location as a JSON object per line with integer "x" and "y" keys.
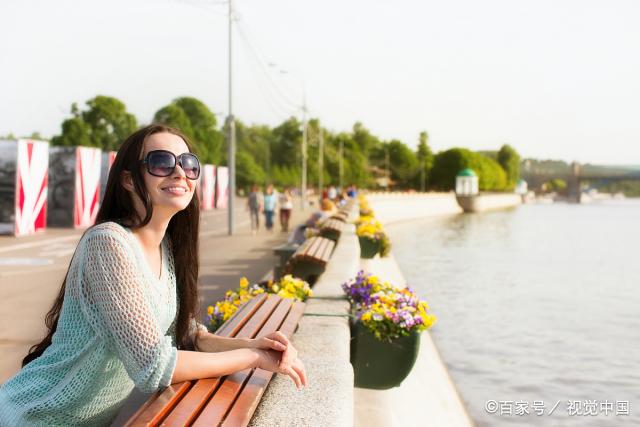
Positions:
{"x": 558, "y": 185}
{"x": 425, "y": 162}
{"x": 198, "y": 123}
{"x": 447, "y": 164}
{"x": 247, "y": 171}
{"x": 510, "y": 162}
{"x": 104, "y": 124}
{"x": 628, "y": 188}
{"x": 403, "y": 163}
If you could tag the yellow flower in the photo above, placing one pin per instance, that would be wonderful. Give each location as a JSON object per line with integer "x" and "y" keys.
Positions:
{"x": 210, "y": 310}
{"x": 244, "y": 283}
{"x": 366, "y": 316}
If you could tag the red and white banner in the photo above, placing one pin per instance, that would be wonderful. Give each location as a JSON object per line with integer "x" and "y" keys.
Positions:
{"x": 208, "y": 186}
{"x": 31, "y": 187}
{"x": 222, "y": 187}
{"x": 87, "y": 192}
{"x": 112, "y": 158}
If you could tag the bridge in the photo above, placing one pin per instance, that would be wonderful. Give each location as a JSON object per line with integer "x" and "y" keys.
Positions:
{"x": 575, "y": 178}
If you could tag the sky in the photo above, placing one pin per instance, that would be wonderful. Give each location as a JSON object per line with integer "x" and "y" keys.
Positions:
{"x": 555, "y": 79}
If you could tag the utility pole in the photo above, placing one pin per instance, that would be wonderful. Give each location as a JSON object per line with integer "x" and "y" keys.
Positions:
{"x": 231, "y": 137}
{"x": 341, "y": 165}
{"x": 422, "y": 174}
{"x": 386, "y": 165}
{"x": 320, "y": 158}
{"x": 303, "y": 185}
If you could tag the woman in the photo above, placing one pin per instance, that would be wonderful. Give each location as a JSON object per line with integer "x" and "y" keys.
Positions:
{"x": 125, "y": 314}
{"x": 254, "y": 204}
{"x": 270, "y": 199}
{"x": 285, "y": 201}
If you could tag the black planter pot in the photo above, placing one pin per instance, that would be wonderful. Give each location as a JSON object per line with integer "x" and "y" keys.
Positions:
{"x": 379, "y": 364}
{"x": 368, "y": 247}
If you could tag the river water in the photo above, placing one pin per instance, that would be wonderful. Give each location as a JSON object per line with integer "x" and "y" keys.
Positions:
{"x": 536, "y": 305}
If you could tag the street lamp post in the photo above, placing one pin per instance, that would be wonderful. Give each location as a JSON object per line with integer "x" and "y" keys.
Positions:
{"x": 320, "y": 159}
{"x": 341, "y": 162}
{"x": 303, "y": 186}
{"x": 231, "y": 129}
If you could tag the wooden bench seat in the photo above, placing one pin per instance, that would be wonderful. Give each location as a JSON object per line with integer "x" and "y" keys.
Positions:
{"x": 332, "y": 228}
{"x": 230, "y": 400}
{"x": 310, "y": 259}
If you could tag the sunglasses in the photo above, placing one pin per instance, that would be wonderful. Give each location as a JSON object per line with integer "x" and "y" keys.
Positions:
{"x": 162, "y": 163}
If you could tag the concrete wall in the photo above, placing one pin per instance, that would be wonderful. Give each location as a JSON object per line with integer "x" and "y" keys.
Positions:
{"x": 489, "y": 201}
{"x": 323, "y": 346}
{"x": 396, "y": 207}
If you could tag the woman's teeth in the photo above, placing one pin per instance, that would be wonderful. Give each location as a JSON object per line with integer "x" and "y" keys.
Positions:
{"x": 175, "y": 190}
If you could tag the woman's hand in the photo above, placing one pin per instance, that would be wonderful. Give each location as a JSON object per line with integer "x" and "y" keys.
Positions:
{"x": 274, "y": 341}
{"x": 283, "y": 362}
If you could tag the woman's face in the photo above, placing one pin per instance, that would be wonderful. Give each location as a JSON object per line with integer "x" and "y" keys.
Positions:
{"x": 172, "y": 193}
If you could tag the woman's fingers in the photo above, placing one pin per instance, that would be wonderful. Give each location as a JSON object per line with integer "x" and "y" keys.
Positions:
{"x": 280, "y": 337}
{"x": 276, "y": 345}
{"x": 299, "y": 368}
{"x": 294, "y": 376}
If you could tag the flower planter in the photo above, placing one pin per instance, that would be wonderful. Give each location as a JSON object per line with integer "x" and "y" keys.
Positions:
{"x": 368, "y": 247}
{"x": 379, "y": 364}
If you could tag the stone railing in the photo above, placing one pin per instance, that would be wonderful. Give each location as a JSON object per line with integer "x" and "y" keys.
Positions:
{"x": 322, "y": 340}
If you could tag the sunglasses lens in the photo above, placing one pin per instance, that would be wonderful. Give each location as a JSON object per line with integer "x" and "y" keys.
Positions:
{"x": 191, "y": 166}
{"x": 161, "y": 163}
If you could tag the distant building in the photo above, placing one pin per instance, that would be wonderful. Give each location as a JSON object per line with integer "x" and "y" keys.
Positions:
{"x": 522, "y": 187}
{"x": 466, "y": 183}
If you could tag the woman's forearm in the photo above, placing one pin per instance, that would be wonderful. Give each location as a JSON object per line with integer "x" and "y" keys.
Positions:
{"x": 192, "y": 365}
{"x": 211, "y": 343}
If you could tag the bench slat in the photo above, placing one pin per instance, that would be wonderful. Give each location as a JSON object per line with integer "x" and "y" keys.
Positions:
{"x": 317, "y": 256}
{"x": 157, "y": 410}
{"x": 218, "y": 406}
{"x": 239, "y": 318}
{"x": 328, "y": 251}
{"x": 316, "y": 241}
{"x": 226, "y": 395}
{"x": 192, "y": 403}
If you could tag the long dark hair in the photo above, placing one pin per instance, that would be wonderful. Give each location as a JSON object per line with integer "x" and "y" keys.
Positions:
{"x": 182, "y": 231}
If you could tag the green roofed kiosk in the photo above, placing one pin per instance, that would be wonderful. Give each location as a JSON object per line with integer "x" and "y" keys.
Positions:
{"x": 466, "y": 183}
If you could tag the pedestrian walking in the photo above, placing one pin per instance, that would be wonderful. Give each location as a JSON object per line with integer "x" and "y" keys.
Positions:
{"x": 125, "y": 314}
{"x": 270, "y": 202}
{"x": 254, "y": 204}
{"x": 285, "y": 200}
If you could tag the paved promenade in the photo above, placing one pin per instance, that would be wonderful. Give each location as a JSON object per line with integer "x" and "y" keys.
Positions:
{"x": 32, "y": 269}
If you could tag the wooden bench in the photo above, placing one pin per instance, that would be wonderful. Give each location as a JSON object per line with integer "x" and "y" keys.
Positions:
{"x": 332, "y": 228}
{"x": 230, "y": 400}
{"x": 340, "y": 216}
{"x": 310, "y": 259}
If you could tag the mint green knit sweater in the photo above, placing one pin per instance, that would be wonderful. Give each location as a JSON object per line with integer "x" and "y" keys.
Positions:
{"x": 115, "y": 331}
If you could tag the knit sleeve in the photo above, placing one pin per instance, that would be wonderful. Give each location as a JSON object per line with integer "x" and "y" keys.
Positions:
{"x": 113, "y": 293}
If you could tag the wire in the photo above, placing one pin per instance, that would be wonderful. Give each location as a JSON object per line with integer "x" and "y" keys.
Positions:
{"x": 278, "y": 111}
{"x": 244, "y": 34}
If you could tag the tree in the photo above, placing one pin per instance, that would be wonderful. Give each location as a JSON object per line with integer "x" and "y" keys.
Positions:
{"x": 75, "y": 131}
{"x": 247, "y": 171}
{"x": 104, "y": 124}
{"x": 109, "y": 121}
{"x": 447, "y": 164}
{"x": 403, "y": 163}
{"x": 425, "y": 160}
{"x": 510, "y": 162}
{"x": 193, "y": 118}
